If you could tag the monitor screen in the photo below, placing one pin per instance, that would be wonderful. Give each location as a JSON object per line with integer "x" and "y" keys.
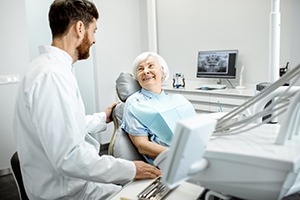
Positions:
{"x": 217, "y": 64}
{"x": 185, "y": 157}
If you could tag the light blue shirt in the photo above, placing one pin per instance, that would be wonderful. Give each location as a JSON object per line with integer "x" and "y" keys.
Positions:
{"x": 156, "y": 119}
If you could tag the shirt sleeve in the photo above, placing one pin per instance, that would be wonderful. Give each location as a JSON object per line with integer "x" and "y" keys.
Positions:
{"x": 131, "y": 124}
{"x": 96, "y": 123}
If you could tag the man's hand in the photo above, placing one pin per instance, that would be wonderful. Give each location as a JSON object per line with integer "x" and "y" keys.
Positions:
{"x": 145, "y": 171}
{"x": 108, "y": 111}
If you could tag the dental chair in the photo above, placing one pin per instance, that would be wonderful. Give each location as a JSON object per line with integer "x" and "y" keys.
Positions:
{"x": 120, "y": 145}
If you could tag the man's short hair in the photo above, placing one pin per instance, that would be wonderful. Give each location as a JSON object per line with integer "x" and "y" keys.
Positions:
{"x": 64, "y": 13}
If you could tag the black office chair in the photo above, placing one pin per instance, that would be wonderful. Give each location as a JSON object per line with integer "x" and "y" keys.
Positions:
{"x": 16, "y": 170}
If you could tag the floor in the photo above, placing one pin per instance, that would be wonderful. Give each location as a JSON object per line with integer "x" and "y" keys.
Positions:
{"x": 8, "y": 188}
{"x": 9, "y": 191}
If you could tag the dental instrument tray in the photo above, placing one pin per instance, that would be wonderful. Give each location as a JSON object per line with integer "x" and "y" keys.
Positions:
{"x": 155, "y": 191}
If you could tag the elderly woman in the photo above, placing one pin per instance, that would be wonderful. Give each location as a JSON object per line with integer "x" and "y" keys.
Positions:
{"x": 150, "y": 115}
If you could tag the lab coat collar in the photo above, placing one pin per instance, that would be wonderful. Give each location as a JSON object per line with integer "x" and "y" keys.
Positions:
{"x": 58, "y": 53}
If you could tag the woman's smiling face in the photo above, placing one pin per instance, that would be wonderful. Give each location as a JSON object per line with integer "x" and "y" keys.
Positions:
{"x": 150, "y": 75}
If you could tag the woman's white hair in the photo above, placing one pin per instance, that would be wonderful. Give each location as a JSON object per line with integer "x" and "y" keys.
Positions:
{"x": 158, "y": 58}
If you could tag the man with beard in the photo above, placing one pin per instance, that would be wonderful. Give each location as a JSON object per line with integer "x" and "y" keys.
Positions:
{"x": 58, "y": 157}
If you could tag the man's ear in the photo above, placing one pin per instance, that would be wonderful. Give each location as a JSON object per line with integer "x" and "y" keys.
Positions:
{"x": 80, "y": 29}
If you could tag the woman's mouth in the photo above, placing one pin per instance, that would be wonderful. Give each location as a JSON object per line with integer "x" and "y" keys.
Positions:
{"x": 148, "y": 78}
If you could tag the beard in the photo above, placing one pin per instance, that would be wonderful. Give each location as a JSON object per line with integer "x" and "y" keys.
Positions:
{"x": 84, "y": 48}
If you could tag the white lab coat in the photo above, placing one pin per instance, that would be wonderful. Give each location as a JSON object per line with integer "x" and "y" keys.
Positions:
{"x": 59, "y": 160}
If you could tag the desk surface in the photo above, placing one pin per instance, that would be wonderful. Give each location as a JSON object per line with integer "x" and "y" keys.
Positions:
{"x": 248, "y": 92}
{"x": 187, "y": 191}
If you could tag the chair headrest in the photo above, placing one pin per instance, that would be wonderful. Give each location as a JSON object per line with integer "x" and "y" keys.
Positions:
{"x": 126, "y": 85}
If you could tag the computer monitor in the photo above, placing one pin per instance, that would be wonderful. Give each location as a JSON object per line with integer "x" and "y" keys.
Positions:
{"x": 217, "y": 64}
{"x": 185, "y": 156}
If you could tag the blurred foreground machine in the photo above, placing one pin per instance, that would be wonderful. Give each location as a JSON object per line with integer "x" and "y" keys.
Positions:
{"x": 253, "y": 159}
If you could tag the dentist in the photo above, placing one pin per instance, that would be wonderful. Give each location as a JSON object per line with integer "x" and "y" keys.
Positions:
{"x": 58, "y": 157}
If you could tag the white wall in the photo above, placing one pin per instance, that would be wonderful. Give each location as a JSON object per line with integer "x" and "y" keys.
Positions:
{"x": 120, "y": 37}
{"x": 186, "y": 27}
{"x": 295, "y": 32}
{"x": 14, "y": 56}
{"x": 37, "y": 24}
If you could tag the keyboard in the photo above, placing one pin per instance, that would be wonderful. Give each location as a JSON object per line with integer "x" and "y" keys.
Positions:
{"x": 155, "y": 191}
{"x": 212, "y": 87}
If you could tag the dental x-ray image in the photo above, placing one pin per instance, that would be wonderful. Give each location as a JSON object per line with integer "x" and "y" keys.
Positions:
{"x": 213, "y": 63}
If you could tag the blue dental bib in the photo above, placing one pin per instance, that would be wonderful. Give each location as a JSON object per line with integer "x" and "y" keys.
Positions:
{"x": 161, "y": 114}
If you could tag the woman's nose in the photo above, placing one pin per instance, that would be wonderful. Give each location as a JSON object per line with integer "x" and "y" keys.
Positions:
{"x": 146, "y": 70}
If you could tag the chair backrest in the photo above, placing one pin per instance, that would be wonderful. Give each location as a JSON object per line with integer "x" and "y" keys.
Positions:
{"x": 120, "y": 145}
{"x": 16, "y": 170}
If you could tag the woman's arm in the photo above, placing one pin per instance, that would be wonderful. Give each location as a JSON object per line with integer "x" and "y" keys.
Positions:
{"x": 147, "y": 147}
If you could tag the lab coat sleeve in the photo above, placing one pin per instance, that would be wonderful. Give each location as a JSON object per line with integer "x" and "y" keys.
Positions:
{"x": 58, "y": 115}
{"x": 96, "y": 123}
